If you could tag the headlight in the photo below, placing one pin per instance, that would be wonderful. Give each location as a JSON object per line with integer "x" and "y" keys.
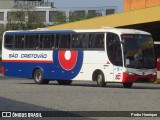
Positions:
{"x": 154, "y": 73}
{"x": 129, "y": 73}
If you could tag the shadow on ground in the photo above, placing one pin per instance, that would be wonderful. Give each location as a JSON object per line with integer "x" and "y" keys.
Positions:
{"x": 9, "y": 105}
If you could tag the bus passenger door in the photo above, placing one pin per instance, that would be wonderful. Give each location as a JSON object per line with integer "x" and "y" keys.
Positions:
{"x": 114, "y": 53}
{"x": 109, "y": 72}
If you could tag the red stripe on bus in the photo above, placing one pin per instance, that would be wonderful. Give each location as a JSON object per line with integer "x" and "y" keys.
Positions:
{"x": 29, "y": 61}
{"x": 2, "y": 70}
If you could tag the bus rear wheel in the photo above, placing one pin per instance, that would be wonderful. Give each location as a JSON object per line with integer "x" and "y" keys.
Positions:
{"x": 100, "y": 80}
{"x": 38, "y": 77}
{"x": 127, "y": 85}
{"x": 64, "y": 82}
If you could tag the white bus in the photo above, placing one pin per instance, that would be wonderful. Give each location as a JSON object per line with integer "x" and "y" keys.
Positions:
{"x": 102, "y": 55}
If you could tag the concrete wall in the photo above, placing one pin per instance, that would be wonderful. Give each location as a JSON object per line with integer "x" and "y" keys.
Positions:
{"x": 139, "y": 4}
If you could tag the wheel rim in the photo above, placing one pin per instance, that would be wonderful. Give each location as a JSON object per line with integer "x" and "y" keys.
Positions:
{"x": 38, "y": 76}
{"x": 99, "y": 78}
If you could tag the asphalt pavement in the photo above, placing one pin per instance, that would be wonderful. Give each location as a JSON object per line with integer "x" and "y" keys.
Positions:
{"x": 17, "y": 94}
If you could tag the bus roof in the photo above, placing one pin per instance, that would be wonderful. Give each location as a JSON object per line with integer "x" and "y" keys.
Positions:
{"x": 38, "y": 31}
{"x": 114, "y": 30}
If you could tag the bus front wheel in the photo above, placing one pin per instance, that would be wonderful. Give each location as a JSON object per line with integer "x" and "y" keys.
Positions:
{"x": 38, "y": 77}
{"x": 127, "y": 85}
{"x": 100, "y": 80}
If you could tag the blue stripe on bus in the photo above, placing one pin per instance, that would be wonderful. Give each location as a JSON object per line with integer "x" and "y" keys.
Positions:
{"x": 40, "y": 32}
{"x": 51, "y": 70}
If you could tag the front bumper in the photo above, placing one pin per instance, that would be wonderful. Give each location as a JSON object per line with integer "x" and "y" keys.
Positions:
{"x": 131, "y": 78}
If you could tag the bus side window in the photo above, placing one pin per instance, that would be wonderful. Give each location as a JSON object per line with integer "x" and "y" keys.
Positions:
{"x": 37, "y": 46}
{"x": 52, "y": 42}
{"x": 19, "y": 41}
{"x": 41, "y": 42}
{"x": 74, "y": 41}
{"x": 96, "y": 41}
{"x": 64, "y": 41}
{"x": 8, "y": 42}
{"x": 31, "y": 42}
{"x": 83, "y": 41}
{"x": 46, "y": 41}
{"x": 57, "y": 41}
{"x": 91, "y": 41}
{"x": 99, "y": 41}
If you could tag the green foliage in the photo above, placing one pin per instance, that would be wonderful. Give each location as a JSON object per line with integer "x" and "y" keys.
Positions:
{"x": 60, "y": 18}
{"x": 0, "y": 43}
{"x": 23, "y": 19}
{"x": 1, "y": 35}
{"x": 80, "y": 17}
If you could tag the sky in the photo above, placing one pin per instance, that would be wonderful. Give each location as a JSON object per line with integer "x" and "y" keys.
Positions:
{"x": 88, "y": 3}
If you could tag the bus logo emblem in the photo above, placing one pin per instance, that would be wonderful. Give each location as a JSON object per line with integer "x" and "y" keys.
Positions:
{"x": 118, "y": 76}
{"x": 67, "y": 59}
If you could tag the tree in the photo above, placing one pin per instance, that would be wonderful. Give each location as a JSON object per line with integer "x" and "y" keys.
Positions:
{"x": 1, "y": 35}
{"x": 82, "y": 16}
{"x": 60, "y": 18}
{"x": 23, "y": 18}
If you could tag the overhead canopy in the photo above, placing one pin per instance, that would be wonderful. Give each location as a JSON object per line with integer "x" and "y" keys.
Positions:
{"x": 147, "y": 19}
{"x": 115, "y": 20}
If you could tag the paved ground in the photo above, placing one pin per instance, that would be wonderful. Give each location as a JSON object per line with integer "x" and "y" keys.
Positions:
{"x": 24, "y": 95}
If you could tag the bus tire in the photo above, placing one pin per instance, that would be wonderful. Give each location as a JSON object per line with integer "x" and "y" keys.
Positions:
{"x": 38, "y": 77}
{"x": 100, "y": 80}
{"x": 127, "y": 85}
{"x": 64, "y": 82}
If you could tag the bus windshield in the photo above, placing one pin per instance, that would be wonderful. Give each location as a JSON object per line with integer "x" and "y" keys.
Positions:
{"x": 138, "y": 51}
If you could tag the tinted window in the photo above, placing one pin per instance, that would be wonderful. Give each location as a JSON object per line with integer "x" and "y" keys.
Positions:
{"x": 96, "y": 41}
{"x": 64, "y": 41}
{"x": 80, "y": 41}
{"x": 19, "y": 41}
{"x": 9, "y": 40}
{"x": 83, "y": 41}
{"x": 114, "y": 49}
{"x": 75, "y": 41}
{"x": 32, "y": 42}
{"x": 46, "y": 41}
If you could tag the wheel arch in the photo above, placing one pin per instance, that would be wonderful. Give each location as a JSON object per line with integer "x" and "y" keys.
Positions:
{"x": 95, "y": 73}
{"x": 36, "y": 68}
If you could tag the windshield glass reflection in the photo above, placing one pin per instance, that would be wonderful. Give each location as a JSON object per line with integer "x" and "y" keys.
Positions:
{"x": 138, "y": 51}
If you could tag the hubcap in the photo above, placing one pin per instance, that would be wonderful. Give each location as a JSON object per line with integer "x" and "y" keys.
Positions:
{"x": 38, "y": 76}
{"x": 99, "y": 78}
